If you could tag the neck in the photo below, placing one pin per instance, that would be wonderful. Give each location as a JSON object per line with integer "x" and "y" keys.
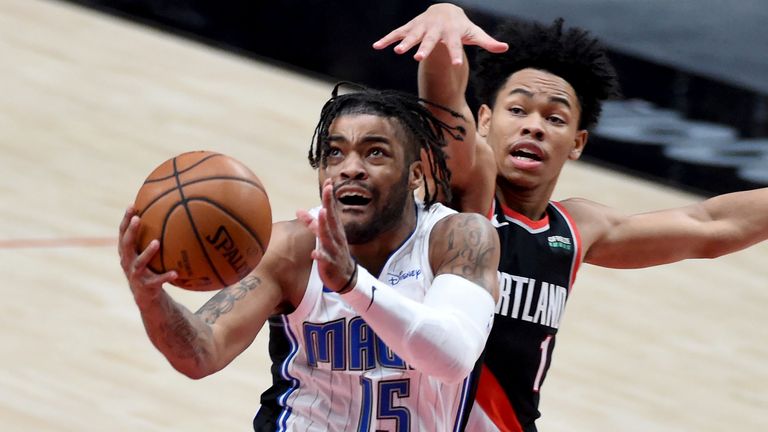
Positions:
{"x": 374, "y": 254}
{"x": 530, "y": 202}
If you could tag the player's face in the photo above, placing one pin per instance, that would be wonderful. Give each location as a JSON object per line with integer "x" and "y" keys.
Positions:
{"x": 533, "y": 128}
{"x": 372, "y": 182}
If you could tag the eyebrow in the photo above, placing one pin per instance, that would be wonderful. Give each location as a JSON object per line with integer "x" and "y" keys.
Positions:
{"x": 367, "y": 139}
{"x": 556, "y": 99}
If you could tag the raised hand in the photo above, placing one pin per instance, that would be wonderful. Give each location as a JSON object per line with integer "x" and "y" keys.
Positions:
{"x": 444, "y": 23}
{"x": 337, "y": 268}
{"x": 145, "y": 284}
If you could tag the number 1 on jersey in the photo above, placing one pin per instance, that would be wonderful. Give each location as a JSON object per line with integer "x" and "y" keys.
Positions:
{"x": 543, "y": 363}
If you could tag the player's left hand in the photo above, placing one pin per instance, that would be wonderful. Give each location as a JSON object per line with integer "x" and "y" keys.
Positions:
{"x": 444, "y": 23}
{"x": 145, "y": 284}
{"x": 332, "y": 254}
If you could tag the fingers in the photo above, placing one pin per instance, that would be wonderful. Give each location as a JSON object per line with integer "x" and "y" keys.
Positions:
{"x": 127, "y": 217}
{"x": 313, "y": 223}
{"x": 145, "y": 257}
{"x": 144, "y": 283}
{"x": 332, "y": 252}
{"x": 146, "y": 286}
{"x": 455, "y": 49}
{"x": 392, "y": 37}
{"x": 411, "y": 39}
{"x": 308, "y": 220}
{"x": 321, "y": 232}
{"x": 327, "y": 246}
{"x": 129, "y": 212}
{"x": 326, "y": 226}
{"x": 328, "y": 233}
{"x": 440, "y": 23}
{"x": 319, "y": 255}
{"x": 428, "y": 42}
{"x": 329, "y": 205}
{"x": 155, "y": 281}
{"x": 409, "y": 36}
{"x": 127, "y": 240}
{"x": 320, "y": 226}
{"x": 486, "y": 42}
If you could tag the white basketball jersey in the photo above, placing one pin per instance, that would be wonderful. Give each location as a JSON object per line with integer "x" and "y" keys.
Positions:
{"x": 339, "y": 376}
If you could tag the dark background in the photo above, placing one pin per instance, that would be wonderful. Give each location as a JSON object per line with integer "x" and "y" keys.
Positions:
{"x": 698, "y": 59}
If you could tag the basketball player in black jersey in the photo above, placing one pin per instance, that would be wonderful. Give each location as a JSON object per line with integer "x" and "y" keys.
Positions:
{"x": 541, "y": 91}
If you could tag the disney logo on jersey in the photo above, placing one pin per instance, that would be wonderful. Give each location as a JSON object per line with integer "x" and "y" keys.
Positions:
{"x": 395, "y": 279}
{"x": 559, "y": 242}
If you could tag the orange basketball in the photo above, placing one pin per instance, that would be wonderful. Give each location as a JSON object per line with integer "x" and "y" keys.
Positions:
{"x": 211, "y": 215}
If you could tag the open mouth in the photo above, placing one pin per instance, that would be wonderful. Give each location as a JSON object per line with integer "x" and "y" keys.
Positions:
{"x": 353, "y": 199}
{"x": 526, "y": 152}
{"x": 350, "y": 194}
{"x": 525, "y": 155}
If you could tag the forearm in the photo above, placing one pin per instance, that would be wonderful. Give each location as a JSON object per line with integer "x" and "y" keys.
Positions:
{"x": 738, "y": 220}
{"x": 183, "y": 337}
{"x": 441, "y": 337}
{"x": 708, "y": 229}
{"x": 442, "y": 82}
{"x": 445, "y": 84}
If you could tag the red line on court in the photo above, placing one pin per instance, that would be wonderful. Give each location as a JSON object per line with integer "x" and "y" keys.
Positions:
{"x": 58, "y": 242}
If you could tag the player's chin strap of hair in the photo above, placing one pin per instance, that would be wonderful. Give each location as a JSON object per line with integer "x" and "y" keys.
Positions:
{"x": 442, "y": 337}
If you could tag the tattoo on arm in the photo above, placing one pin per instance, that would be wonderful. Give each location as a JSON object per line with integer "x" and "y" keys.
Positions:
{"x": 224, "y": 301}
{"x": 469, "y": 250}
{"x": 182, "y": 336}
{"x": 175, "y": 333}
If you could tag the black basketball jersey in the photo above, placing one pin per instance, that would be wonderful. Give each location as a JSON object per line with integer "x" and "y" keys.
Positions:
{"x": 539, "y": 261}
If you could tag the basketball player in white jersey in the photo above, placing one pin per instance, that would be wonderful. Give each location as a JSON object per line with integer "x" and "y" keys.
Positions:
{"x": 539, "y": 100}
{"x": 379, "y": 303}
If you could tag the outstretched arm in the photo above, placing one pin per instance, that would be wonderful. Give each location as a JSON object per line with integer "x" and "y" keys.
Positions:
{"x": 199, "y": 344}
{"x": 441, "y": 31}
{"x": 442, "y": 336}
{"x": 712, "y": 228}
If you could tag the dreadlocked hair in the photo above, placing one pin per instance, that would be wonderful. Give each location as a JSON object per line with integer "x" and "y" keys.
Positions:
{"x": 572, "y": 54}
{"x": 422, "y": 129}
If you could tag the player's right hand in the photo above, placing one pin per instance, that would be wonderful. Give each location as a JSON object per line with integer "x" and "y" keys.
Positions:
{"x": 145, "y": 284}
{"x": 334, "y": 261}
{"x": 444, "y": 23}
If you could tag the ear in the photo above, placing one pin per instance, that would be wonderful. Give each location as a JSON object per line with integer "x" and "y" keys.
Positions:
{"x": 484, "y": 115}
{"x": 578, "y": 144}
{"x": 415, "y": 175}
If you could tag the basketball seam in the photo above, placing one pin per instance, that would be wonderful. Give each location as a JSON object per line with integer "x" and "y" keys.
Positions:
{"x": 175, "y": 172}
{"x": 194, "y": 226}
{"x": 182, "y": 185}
{"x": 162, "y": 234}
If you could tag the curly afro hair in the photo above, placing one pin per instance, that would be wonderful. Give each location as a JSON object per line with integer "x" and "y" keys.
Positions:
{"x": 572, "y": 54}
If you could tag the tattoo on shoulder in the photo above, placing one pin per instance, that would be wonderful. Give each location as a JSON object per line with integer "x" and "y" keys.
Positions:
{"x": 224, "y": 301}
{"x": 469, "y": 248}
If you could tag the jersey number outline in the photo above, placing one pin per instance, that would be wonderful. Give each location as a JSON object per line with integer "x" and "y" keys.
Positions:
{"x": 544, "y": 347}
{"x": 385, "y": 409}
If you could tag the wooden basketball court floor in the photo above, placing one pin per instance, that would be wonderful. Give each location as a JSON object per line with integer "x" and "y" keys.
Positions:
{"x": 91, "y": 104}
